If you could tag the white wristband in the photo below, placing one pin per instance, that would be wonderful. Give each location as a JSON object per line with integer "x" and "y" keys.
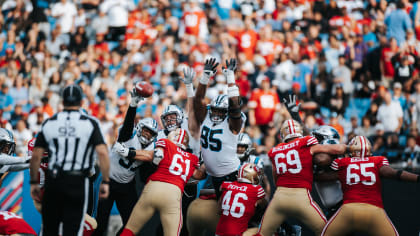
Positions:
{"x": 190, "y": 90}
{"x": 233, "y": 91}
{"x": 230, "y": 76}
{"x": 205, "y": 79}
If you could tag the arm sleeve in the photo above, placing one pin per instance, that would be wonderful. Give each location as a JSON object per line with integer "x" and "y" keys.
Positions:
{"x": 383, "y": 161}
{"x": 40, "y": 141}
{"x": 97, "y": 137}
{"x": 161, "y": 143}
{"x": 128, "y": 125}
{"x": 260, "y": 192}
{"x": 311, "y": 141}
{"x": 10, "y": 160}
{"x": 335, "y": 164}
{"x": 18, "y": 167}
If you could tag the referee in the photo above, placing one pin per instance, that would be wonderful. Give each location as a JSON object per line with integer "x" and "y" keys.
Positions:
{"x": 71, "y": 137}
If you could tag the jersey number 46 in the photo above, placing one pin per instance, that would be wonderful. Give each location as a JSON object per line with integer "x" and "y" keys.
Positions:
{"x": 234, "y": 207}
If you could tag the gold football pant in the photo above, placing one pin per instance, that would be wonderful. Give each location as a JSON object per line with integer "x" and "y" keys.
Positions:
{"x": 202, "y": 215}
{"x": 360, "y": 217}
{"x": 162, "y": 197}
{"x": 292, "y": 202}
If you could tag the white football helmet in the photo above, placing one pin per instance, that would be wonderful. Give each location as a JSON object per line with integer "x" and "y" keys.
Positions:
{"x": 151, "y": 125}
{"x": 7, "y": 142}
{"x": 244, "y": 140}
{"x": 172, "y": 109}
{"x": 218, "y": 108}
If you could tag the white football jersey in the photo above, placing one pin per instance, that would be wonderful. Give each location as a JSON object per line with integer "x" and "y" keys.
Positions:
{"x": 218, "y": 148}
{"x": 194, "y": 144}
{"x": 123, "y": 170}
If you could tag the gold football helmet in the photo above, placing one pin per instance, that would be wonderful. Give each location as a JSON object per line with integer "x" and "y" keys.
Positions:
{"x": 249, "y": 173}
{"x": 291, "y": 129}
{"x": 360, "y": 147}
{"x": 179, "y": 137}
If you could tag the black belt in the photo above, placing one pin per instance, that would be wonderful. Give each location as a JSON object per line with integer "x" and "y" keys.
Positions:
{"x": 55, "y": 174}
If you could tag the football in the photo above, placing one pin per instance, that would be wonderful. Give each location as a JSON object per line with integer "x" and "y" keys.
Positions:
{"x": 144, "y": 89}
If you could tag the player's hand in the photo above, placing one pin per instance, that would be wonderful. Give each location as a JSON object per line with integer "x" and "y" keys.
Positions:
{"x": 210, "y": 67}
{"x": 230, "y": 65}
{"x": 121, "y": 149}
{"x": 103, "y": 191}
{"x": 189, "y": 75}
{"x": 291, "y": 103}
{"x": 36, "y": 192}
{"x": 135, "y": 98}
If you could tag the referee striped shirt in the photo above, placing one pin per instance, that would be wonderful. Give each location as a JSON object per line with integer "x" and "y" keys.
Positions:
{"x": 71, "y": 137}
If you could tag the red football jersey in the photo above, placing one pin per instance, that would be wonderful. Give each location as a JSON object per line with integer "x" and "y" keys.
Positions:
{"x": 360, "y": 180}
{"x": 238, "y": 206}
{"x": 176, "y": 167}
{"x": 10, "y": 223}
{"x": 293, "y": 163}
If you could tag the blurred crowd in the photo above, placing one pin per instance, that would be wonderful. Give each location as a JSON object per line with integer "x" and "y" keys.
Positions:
{"x": 354, "y": 64}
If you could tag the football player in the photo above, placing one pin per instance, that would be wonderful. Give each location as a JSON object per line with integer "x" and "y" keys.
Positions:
{"x": 127, "y": 155}
{"x": 9, "y": 162}
{"x": 328, "y": 191}
{"x": 238, "y": 201}
{"x": 163, "y": 191}
{"x": 293, "y": 162}
{"x": 360, "y": 177}
{"x": 220, "y": 122}
{"x": 89, "y": 224}
{"x": 12, "y": 224}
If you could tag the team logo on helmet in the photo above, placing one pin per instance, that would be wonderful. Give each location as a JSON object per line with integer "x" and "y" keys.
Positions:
{"x": 249, "y": 173}
{"x": 360, "y": 147}
{"x": 245, "y": 142}
{"x": 290, "y": 129}
{"x": 150, "y": 125}
{"x": 7, "y": 142}
{"x": 218, "y": 108}
{"x": 326, "y": 135}
{"x": 180, "y": 137}
{"x": 170, "y": 124}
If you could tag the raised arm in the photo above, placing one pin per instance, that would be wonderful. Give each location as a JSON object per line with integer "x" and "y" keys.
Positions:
{"x": 198, "y": 102}
{"x": 235, "y": 118}
{"x": 126, "y": 130}
{"x": 193, "y": 126}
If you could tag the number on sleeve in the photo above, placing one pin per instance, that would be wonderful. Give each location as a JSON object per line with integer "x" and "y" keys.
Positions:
{"x": 236, "y": 209}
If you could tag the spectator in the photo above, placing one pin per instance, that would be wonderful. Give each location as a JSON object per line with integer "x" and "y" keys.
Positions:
{"x": 403, "y": 71}
{"x": 387, "y": 69}
{"x": 415, "y": 99}
{"x": 303, "y": 76}
{"x": 411, "y": 152}
{"x": 117, "y": 12}
{"x": 22, "y": 135}
{"x": 398, "y": 95}
{"x": 366, "y": 129}
{"x": 66, "y": 12}
{"x": 6, "y": 101}
{"x": 284, "y": 72}
{"x": 338, "y": 101}
{"x": 342, "y": 75}
{"x": 398, "y": 23}
{"x": 390, "y": 114}
{"x": 263, "y": 104}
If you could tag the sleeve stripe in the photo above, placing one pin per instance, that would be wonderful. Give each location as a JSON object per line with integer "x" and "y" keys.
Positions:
{"x": 261, "y": 195}
{"x": 334, "y": 168}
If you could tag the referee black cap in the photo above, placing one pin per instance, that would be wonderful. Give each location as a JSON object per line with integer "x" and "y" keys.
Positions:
{"x": 72, "y": 95}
